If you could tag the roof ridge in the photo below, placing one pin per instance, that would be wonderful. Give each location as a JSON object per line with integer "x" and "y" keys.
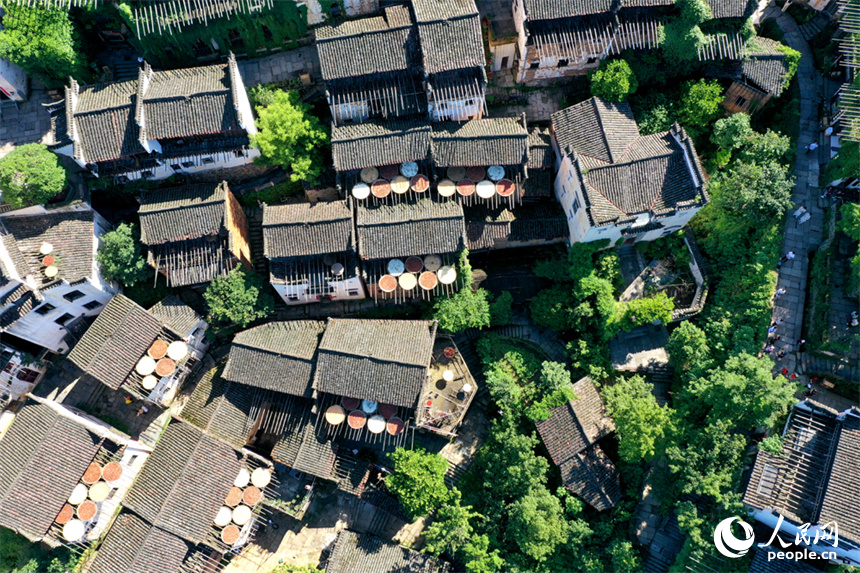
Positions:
{"x": 603, "y": 133}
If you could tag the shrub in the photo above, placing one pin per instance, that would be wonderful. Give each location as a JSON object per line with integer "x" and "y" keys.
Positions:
{"x": 772, "y": 444}
{"x": 418, "y": 481}
{"x": 119, "y": 256}
{"x": 462, "y": 310}
{"x": 700, "y": 104}
{"x": 238, "y": 298}
{"x": 30, "y": 175}
{"x": 501, "y": 312}
{"x": 613, "y": 81}
{"x": 732, "y": 132}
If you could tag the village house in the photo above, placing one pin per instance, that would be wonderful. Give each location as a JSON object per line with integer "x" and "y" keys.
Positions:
{"x": 814, "y": 480}
{"x": 19, "y": 374}
{"x": 364, "y": 552}
{"x": 195, "y": 501}
{"x": 561, "y": 38}
{"x": 50, "y": 279}
{"x": 763, "y": 75}
{"x": 311, "y": 252}
{"x": 571, "y": 434}
{"x": 162, "y": 123}
{"x": 63, "y": 473}
{"x": 453, "y": 58}
{"x": 614, "y": 183}
{"x": 14, "y": 83}
{"x": 194, "y": 234}
{"x": 146, "y": 354}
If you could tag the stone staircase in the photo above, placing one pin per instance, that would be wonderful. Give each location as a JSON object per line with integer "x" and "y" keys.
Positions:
{"x": 812, "y": 364}
{"x": 819, "y": 22}
{"x": 661, "y": 378}
{"x": 255, "y": 236}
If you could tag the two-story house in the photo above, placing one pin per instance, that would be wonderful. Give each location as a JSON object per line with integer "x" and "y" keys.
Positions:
{"x": 614, "y": 183}
{"x": 162, "y": 123}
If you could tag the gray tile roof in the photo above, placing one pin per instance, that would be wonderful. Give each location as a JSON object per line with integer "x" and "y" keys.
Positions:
{"x": 421, "y": 227}
{"x": 450, "y": 33}
{"x": 540, "y": 148}
{"x": 17, "y": 303}
{"x": 533, "y": 221}
{"x": 277, "y": 356}
{"x": 194, "y": 261}
{"x": 302, "y": 229}
{"x": 840, "y": 497}
{"x": 377, "y": 143}
{"x": 552, "y": 9}
{"x": 367, "y": 45}
{"x": 118, "y": 338}
{"x": 766, "y": 67}
{"x": 180, "y": 213}
{"x": 489, "y": 141}
{"x": 596, "y": 128}
{"x": 104, "y": 118}
{"x": 176, "y": 315}
{"x": 570, "y": 434}
{"x": 134, "y": 546}
{"x": 732, "y": 8}
{"x": 72, "y": 234}
{"x": 184, "y": 482}
{"x": 42, "y": 457}
{"x": 353, "y": 552}
{"x": 220, "y": 408}
{"x": 382, "y": 360}
{"x": 301, "y": 449}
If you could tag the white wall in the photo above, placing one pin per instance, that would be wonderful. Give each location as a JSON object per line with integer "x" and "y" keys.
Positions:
{"x": 501, "y": 51}
{"x": 13, "y": 81}
{"x": 9, "y": 381}
{"x": 456, "y": 110}
{"x": 297, "y": 293}
{"x": 360, "y": 7}
{"x": 225, "y": 160}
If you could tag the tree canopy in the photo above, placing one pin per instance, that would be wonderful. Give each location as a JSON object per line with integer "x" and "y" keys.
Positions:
{"x": 700, "y": 104}
{"x": 613, "y": 80}
{"x": 290, "y": 136}
{"x": 120, "y": 258}
{"x": 238, "y": 298}
{"x": 643, "y": 426}
{"x": 537, "y": 525}
{"x": 30, "y": 175}
{"x": 418, "y": 481}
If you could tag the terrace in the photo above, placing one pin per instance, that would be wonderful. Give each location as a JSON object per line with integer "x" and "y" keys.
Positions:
{"x": 449, "y": 390}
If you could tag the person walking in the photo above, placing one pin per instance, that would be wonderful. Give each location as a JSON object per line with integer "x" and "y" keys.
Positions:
{"x": 779, "y": 292}
{"x": 811, "y": 147}
{"x": 787, "y": 256}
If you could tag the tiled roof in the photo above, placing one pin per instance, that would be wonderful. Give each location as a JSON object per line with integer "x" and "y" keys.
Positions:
{"x": 180, "y": 213}
{"x": 19, "y": 267}
{"x": 118, "y": 338}
{"x": 104, "y": 121}
{"x": 302, "y": 229}
{"x": 732, "y": 8}
{"x": 72, "y": 234}
{"x": 367, "y": 45}
{"x": 489, "y": 141}
{"x": 301, "y": 449}
{"x": 377, "y": 143}
{"x": 596, "y": 128}
{"x": 534, "y": 221}
{"x": 277, "y": 356}
{"x": 570, "y": 434}
{"x": 422, "y": 227}
{"x": 220, "y": 408}
{"x": 381, "y": 360}
{"x": 17, "y": 304}
{"x": 552, "y": 9}
{"x": 191, "y": 101}
{"x": 540, "y": 148}
{"x": 184, "y": 482}
{"x": 353, "y": 552}
{"x": 176, "y": 315}
{"x": 194, "y": 261}
{"x": 42, "y": 457}
{"x": 766, "y": 67}
{"x": 840, "y": 497}
{"x": 134, "y": 546}
{"x": 450, "y": 33}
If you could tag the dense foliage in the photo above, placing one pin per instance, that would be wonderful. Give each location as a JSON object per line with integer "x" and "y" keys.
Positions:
{"x": 418, "y": 481}
{"x": 19, "y": 555}
{"x": 30, "y": 175}
{"x": 613, "y": 80}
{"x": 469, "y": 308}
{"x": 290, "y": 136}
{"x": 238, "y": 298}
{"x": 681, "y": 38}
{"x": 643, "y": 426}
{"x": 43, "y": 42}
{"x": 850, "y": 225}
{"x": 119, "y": 256}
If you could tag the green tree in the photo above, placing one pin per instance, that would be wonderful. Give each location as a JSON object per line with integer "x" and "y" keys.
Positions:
{"x": 850, "y": 221}
{"x": 553, "y": 375}
{"x": 537, "y": 524}
{"x": 700, "y": 104}
{"x": 289, "y": 568}
{"x": 119, "y": 256}
{"x": 451, "y": 529}
{"x": 462, "y": 310}
{"x": 30, "y": 175}
{"x": 43, "y": 42}
{"x": 418, "y": 481}
{"x": 646, "y": 310}
{"x": 764, "y": 148}
{"x": 625, "y": 559}
{"x": 501, "y": 312}
{"x": 643, "y": 426}
{"x": 744, "y": 392}
{"x": 732, "y": 132}
{"x": 681, "y": 38}
{"x": 551, "y": 308}
{"x": 479, "y": 558}
{"x": 757, "y": 193}
{"x": 709, "y": 461}
{"x": 613, "y": 80}
{"x": 290, "y": 136}
{"x": 688, "y": 349}
{"x": 846, "y": 163}
{"x": 238, "y": 298}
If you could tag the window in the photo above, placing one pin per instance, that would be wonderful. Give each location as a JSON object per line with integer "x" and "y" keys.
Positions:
{"x": 353, "y": 292}
{"x": 239, "y": 153}
{"x": 535, "y": 65}
{"x": 592, "y": 60}
{"x": 208, "y": 161}
{"x": 292, "y": 297}
{"x": 112, "y": 492}
{"x": 73, "y": 296}
{"x": 27, "y": 375}
{"x": 187, "y": 164}
{"x": 64, "y": 319}
{"x": 122, "y": 179}
{"x": 92, "y": 305}
{"x": 576, "y": 204}
{"x": 45, "y": 309}
{"x": 147, "y": 174}
{"x": 740, "y": 101}
{"x": 175, "y": 166}
{"x": 131, "y": 460}
{"x": 562, "y": 62}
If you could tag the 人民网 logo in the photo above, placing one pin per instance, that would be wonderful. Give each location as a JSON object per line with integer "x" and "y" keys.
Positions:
{"x": 729, "y": 545}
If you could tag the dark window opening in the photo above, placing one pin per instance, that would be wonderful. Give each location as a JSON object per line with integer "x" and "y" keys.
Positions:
{"x": 92, "y": 305}
{"x": 740, "y": 101}
{"x": 267, "y": 34}
{"x": 73, "y": 296}
{"x": 187, "y": 164}
{"x": 27, "y": 375}
{"x": 175, "y": 166}
{"x": 147, "y": 174}
{"x": 239, "y": 153}
{"x": 208, "y": 160}
{"x": 562, "y": 62}
{"x": 64, "y": 319}
{"x": 592, "y": 60}
{"x": 576, "y": 205}
{"x": 45, "y": 309}
{"x": 505, "y": 62}
{"x": 535, "y": 65}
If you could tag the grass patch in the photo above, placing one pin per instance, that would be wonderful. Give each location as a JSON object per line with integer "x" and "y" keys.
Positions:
{"x": 273, "y": 195}
{"x": 110, "y": 420}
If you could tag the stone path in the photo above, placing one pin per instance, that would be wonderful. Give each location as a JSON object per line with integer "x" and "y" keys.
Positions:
{"x": 281, "y": 66}
{"x": 799, "y": 237}
{"x": 29, "y": 123}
